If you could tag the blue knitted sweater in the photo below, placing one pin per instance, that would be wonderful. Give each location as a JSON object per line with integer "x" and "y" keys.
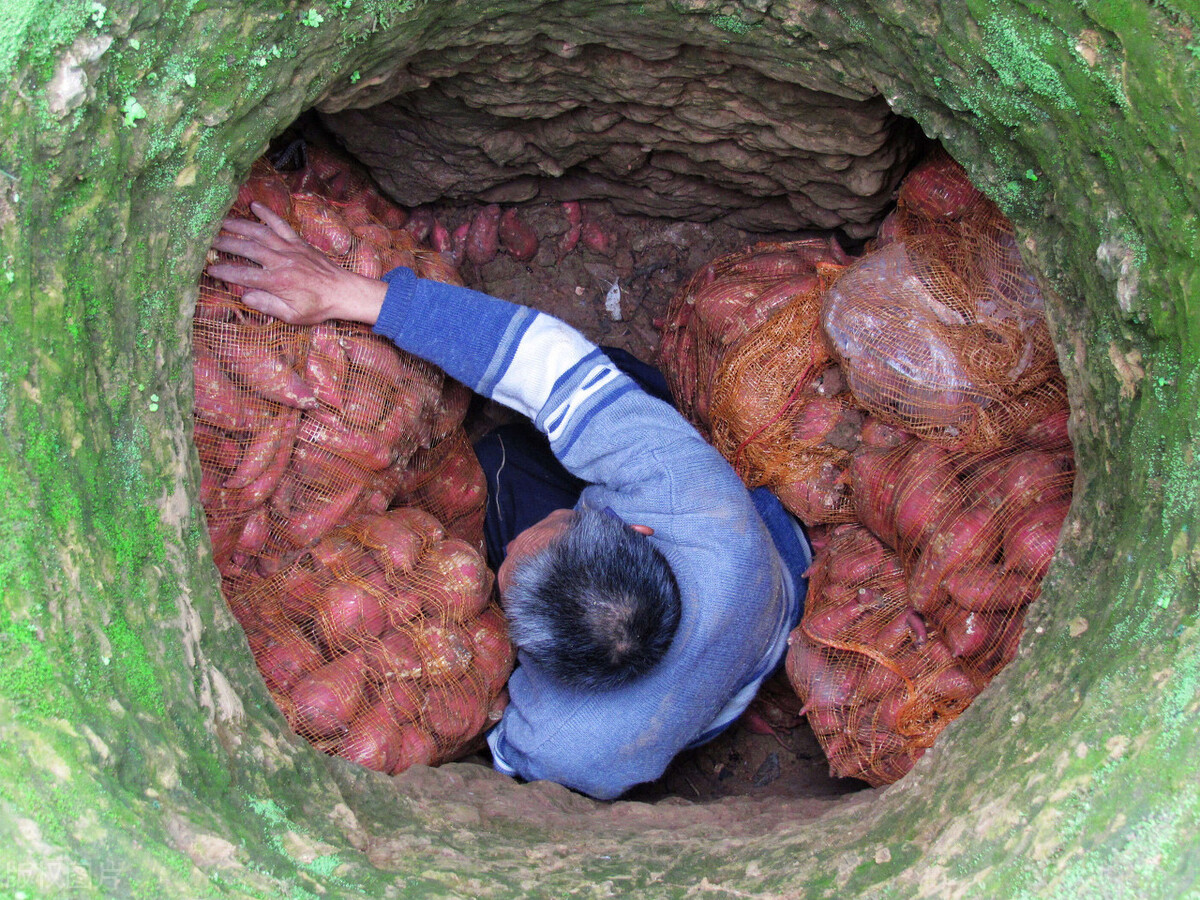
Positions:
{"x": 650, "y": 466}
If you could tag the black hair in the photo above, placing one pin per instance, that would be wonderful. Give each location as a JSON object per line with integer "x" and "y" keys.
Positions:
{"x": 597, "y": 607}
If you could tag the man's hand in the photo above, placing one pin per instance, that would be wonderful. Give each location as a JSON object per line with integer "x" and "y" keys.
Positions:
{"x": 297, "y": 283}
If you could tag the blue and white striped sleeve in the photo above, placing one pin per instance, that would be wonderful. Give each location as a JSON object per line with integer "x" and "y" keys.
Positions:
{"x": 502, "y": 350}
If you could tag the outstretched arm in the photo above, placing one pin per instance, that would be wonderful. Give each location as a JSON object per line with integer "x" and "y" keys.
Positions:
{"x": 296, "y": 282}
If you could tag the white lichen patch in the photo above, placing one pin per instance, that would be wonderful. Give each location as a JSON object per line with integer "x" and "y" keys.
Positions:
{"x": 1129, "y": 369}
{"x": 68, "y": 88}
{"x": 1118, "y": 261}
{"x": 207, "y": 851}
{"x": 303, "y": 849}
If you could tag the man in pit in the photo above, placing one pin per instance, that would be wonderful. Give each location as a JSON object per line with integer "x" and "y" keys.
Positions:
{"x": 646, "y": 613}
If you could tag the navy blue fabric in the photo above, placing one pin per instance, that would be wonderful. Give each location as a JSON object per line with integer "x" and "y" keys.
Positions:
{"x": 526, "y": 482}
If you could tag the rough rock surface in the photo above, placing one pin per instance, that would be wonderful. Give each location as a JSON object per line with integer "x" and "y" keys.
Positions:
{"x": 686, "y": 132}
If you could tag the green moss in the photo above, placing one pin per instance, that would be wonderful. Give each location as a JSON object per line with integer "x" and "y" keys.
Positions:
{"x": 731, "y": 24}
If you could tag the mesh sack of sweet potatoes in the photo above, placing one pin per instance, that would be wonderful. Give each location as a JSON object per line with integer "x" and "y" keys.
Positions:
{"x": 299, "y": 427}
{"x": 781, "y": 412}
{"x": 447, "y": 481}
{"x": 913, "y": 610}
{"x": 726, "y": 301}
{"x": 940, "y": 329}
{"x": 382, "y": 644}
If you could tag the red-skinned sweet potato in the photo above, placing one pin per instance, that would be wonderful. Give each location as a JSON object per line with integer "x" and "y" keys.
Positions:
{"x": 574, "y": 216}
{"x": 371, "y": 739}
{"x": 483, "y": 237}
{"x": 517, "y": 237}
{"x": 494, "y": 653}
{"x": 396, "y": 539}
{"x": 320, "y": 224}
{"x": 394, "y": 657}
{"x": 416, "y": 747}
{"x": 462, "y": 579}
{"x": 1032, "y": 538}
{"x": 928, "y": 494}
{"x": 326, "y": 701}
{"x": 346, "y": 612}
{"x": 988, "y": 588}
{"x": 453, "y": 713}
{"x": 283, "y": 654}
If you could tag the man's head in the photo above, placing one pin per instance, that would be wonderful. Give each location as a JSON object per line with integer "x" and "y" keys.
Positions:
{"x": 589, "y": 599}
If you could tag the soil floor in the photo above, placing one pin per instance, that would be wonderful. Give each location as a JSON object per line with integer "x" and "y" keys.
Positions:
{"x": 613, "y": 295}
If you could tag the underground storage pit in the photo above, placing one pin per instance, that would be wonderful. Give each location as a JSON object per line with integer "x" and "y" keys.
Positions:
{"x": 143, "y": 755}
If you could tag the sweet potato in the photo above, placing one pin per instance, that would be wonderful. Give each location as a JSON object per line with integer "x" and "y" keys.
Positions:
{"x": 395, "y": 539}
{"x": 307, "y": 524}
{"x": 324, "y": 429}
{"x": 218, "y": 400}
{"x": 395, "y": 656}
{"x": 379, "y": 236}
{"x": 494, "y": 653}
{"x": 877, "y": 433}
{"x": 439, "y": 238}
{"x": 766, "y": 304}
{"x": 517, "y": 237}
{"x": 402, "y": 600}
{"x": 264, "y": 447}
{"x": 454, "y": 487}
{"x": 483, "y": 237}
{"x": 937, "y": 188}
{"x": 419, "y": 224}
{"x": 927, "y": 494}
{"x": 371, "y": 739}
{"x": 320, "y": 224}
{"x": 1026, "y": 479}
{"x": 858, "y": 556}
{"x": 1032, "y": 538}
{"x": 814, "y": 419}
{"x": 268, "y": 189}
{"x": 345, "y": 612}
{"x": 904, "y": 628}
{"x": 953, "y": 687}
{"x": 406, "y": 699}
{"x": 416, "y": 747}
{"x": 255, "y": 532}
{"x": 451, "y": 408}
{"x": 873, "y": 474}
{"x": 453, "y": 713}
{"x": 968, "y": 633}
{"x": 462, "y": 579}
{"x": 1049, "y": 432}
{"x": 1003, "y": 649}
{"x": 721, "y": 304}
{"x": 326, "y": 364}
{"x": 879, "y": 680}
{"x": 385, "y": 211}
{"x": 573, "y": 213}
{"x": 438, "y": 267}
{"x": 988, "y": 588}
{"x": 283, "y": 654}
{"x": 266, "y": 371}
{"x": 446, "y": 650}
{"x": 822, "y": 498}
{"x": 364, "y": 259}
{"x": 799, "y": 258}
{"x": 327, "y": 700}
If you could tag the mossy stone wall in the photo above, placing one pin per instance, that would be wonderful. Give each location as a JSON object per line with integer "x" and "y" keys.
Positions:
{"x": 139, "y": 753}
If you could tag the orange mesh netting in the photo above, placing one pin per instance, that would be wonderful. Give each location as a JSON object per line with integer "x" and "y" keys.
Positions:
{"x": 303, "y": 429}
{"x": 381, "y": 643}
{"x": 726, "y": 301}
{"x": 447, "y": 481}
{"x": 912, "y": 612}
{"x": 781, "y": 414}
{"x": 940, "y": 330}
